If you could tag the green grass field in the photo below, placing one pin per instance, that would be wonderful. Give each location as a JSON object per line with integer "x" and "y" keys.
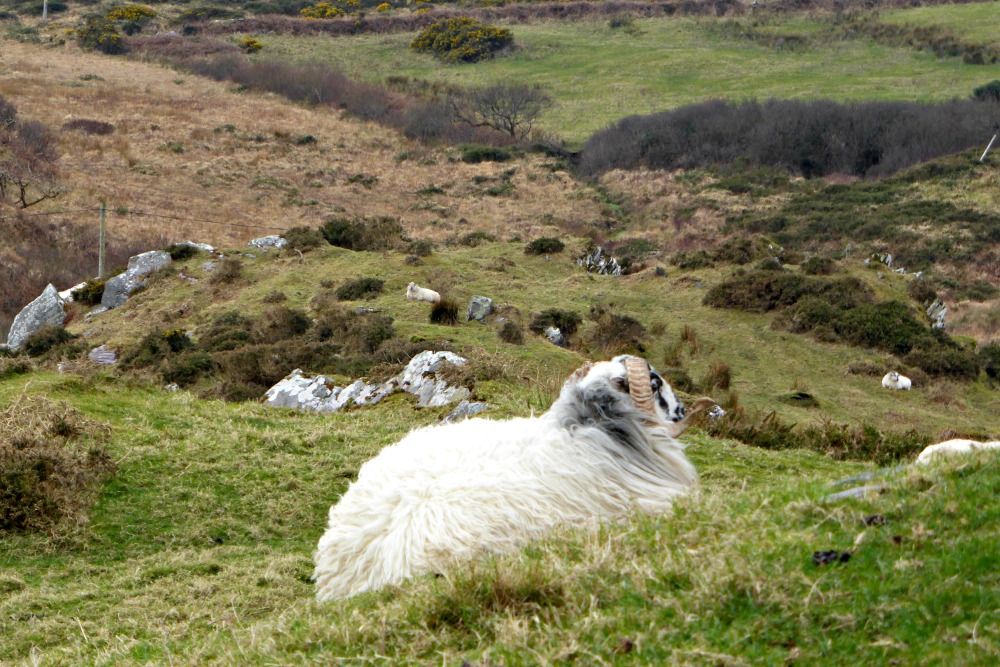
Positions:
{"x": 598, "y": 75}
{"x": 974, "y": 22}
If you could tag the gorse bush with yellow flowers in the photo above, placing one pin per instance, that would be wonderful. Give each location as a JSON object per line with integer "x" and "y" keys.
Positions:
{"x": 462, "y": 40}
{"x": 329, "y": 10}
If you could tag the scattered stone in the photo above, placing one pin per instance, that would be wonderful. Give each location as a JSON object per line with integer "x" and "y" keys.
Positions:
{"x": 46, "y": 310}
{"x": 209, "y": 266}
{"x": 832, "y": 556}
{"x": 555, "y": 336}
{"x": 118, "y": 289}
{"x": 870, "y": 475}
{"x": 596, "y": 262}
{"x": 61, "y": 367}
{"x": 94, "y": 313}
{"x": 173, "y": 386}
{"x": 465, "y": 410}
{"x": 365, "y": 310}
{"x": 716, "y": 413}
{"x": 937, "y": 312}
{"x": 273, "y": 241}
{"x": 480, "y": 308}
{"x": 421, "y": 377}
{"x": 103, "y": 355}
{"x": 204, "y": 247}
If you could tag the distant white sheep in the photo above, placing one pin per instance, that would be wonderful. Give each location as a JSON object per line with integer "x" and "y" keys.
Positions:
{"x": 449, "y": 492}
{"x": 954, "y": 448}
{"x": 417, "y": 293}
{"x": 894, "y": 380}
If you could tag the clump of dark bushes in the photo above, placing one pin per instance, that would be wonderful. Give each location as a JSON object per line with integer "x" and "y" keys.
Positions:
{"x": 46, "y": 339}
{"x": 511, "y": 333}
{"x": 989, "y": 357}
{"x": 475, "y": 153}
{"x": 227, "y": 272}
{"x": 565, "y": 320}
{"x": 52, "y": 462}
{"x": 360, "y": 288}
{"x": 614, "y": 333}
{"x": 547, "y": 245}
{"x": 371, "y": 233}
{"x": 818, "y": 265}
{"x": 89, "y": 126}
{"x": 303, "y": 238}
{"x": 444, "y": 312}
{"x": 691, "y": 259}
{"x": 90, "y": 293}
{"x": 807, "y": 138}
{"x": 763, "y": 291}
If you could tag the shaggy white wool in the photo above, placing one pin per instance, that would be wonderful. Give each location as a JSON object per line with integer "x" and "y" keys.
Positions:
{"x": 894, "y": 380}
{"x": 417, "y": 293}
{"x": 453, "y": 491}
{"x": 954, "y": 448}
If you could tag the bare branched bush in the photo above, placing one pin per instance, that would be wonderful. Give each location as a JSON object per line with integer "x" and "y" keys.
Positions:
{"x": 511, "y": 108}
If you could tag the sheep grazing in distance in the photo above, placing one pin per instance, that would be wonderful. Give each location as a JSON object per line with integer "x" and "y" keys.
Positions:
{"x": 894, "y": 380}
{"x": 450, "y": 492}
{"x": 954, "y": 448}
{"x": 415, "y": 292}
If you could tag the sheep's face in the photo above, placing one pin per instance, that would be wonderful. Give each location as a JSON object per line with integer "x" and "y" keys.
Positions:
{"x": 615, "y": 374}
{"x": 894, "y": 376}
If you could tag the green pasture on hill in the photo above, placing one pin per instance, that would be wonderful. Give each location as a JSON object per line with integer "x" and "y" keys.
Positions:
{"x": 974, "y": 22}
{"x": 598, "y": 75}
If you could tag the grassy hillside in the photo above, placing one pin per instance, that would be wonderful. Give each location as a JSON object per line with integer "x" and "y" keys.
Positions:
{"x": 598, "y": 74}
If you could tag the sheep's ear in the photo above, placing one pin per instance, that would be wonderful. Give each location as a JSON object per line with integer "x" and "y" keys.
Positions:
{"x": 581, "y": 372}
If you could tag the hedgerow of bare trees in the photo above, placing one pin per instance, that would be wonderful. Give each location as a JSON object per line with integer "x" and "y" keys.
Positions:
{"x": 28, "y": 157}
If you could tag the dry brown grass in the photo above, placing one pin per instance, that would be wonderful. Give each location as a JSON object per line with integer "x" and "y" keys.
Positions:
{"x": 195, "y": 149}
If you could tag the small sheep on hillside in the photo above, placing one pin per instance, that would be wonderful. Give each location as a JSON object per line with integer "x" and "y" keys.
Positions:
{"x": 894, "y": 380}
{"x": 416, "y": 293}
{"x": 606, "y": 447}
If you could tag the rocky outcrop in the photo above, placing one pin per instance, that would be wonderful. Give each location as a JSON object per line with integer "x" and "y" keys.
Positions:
{"x": 47, "y": 310}
{"x": 102, "y": 355}
{"x": 597, "y": 262}
{"x": 555, "y": 336}
{"x": 118, "y": 289}
{"x": 480, "y": 307}
{"x": 937, "y": 311}
{"x": 422, "y": 377}
{"x": 274, "y": 241}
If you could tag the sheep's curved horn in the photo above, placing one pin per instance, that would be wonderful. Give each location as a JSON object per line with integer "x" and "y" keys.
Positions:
{"x": 638, "y": 384}
{"x": 703, "y": 403}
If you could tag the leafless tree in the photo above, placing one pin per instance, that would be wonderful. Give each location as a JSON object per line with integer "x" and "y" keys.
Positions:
{"x": 507, "y": 107}
{"x": 28, "y": 157}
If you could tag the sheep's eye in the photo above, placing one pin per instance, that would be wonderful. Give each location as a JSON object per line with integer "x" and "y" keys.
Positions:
{"x": 656, "y": 384}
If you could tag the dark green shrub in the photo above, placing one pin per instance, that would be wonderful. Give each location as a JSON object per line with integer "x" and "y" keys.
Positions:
{"x": 945, "y": 361}
{"x": 691, "y": 259}
{"x": 274, "y": 296}
{"x": 770, "y": 264}
{"x": 462, "y": 39}
{"x": 445, "y": 312}
{"x": 303, "y": 238}
{"x": 818, "y": 265}
{"x": 989, "y": 358}
{"x": 12, "y": 367}
{"x": 361, "y": 288}
{"x": 762, "y": 291}
{"x": 372, "y": 234}
{"x": 45, "y": 340}
{"x": 989, "y": 92}
{"x": 615, "y": 333}
{"x": 228, "y": 331}
{"x": 90, "y": 294}
{"x": 565, "y": 320}
{"x": 475, "y": 153}
{"x": 209, "y": 13}
{"x": 181, "y": 251}
{"x": 420, "y": 248}
{"x": 186, "y": 368}
{"x": 101, "y": 34}
{"x": 546, "y": 245}
{"x": 511, "y": 333}
{"x": 155, "y": 347}
{"x": 735, "y": 251}
{"x": 280, "y": 323}
{"x": 227, "y": 272}
{"x": 477, "y": 238}
{"x": 52, "y": 462}
{"x": 356, "y": 333}
{"x": 889, "y": 326}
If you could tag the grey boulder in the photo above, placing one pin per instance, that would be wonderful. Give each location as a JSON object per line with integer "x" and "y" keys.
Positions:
{"x": 480, "y": 308}
{"x": 47, "y": 310}
{"x": 273, "y": 241}
{"x": 118, "y": 289}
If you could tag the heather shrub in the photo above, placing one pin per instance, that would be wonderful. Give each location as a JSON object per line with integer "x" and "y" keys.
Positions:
{"x": 227, "y": 331}
{"x": 372, "y": 233}
{"x": 770, "y": 264}
{"x": 718, "y": 376}
{"x": 475, "y": 153}
{"x": 209, "y": 13}
{"x": 614, "y": 333}
{"x": 280, "y": 323}
{"x": 462, "y": 39}
{"x": 420, "y": 248}
{"x": 181, "y": 251}
{"x": 735, "y": 251}
{"x": 989, "y": 92}
{"x": 989, "y": 358}
{"x": 90, "y": 293}
{"x": 921, "y": 291}
{"x": 444, "y": 312}
{"x": 945, "y": 361}
{"x": 45, "y": 340}
{"x": 476, "y": 239}
{"x": 52, "y": 462}
{"x": 187, "y": 368}
{"x": 155, "y": 347}
{"x": 13, "y": 366}
{"x": 691, "y": 259}
{"x": 303, "y": 238}
{"x": 546, "y": 245}
{"x": 511, "y": 333}
{"x": 565, "y": 320}
{"x": 818, "y": 265}
{"x": 360, "y": 288}
{"x": 227, "y": 272}
{"x": 88, "y": 126}
{"x": 274, "y": 296}
{"x": 762, "y": 291}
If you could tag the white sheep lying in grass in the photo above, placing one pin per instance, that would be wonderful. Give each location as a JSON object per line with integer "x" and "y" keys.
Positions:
{"x": 954, "y": 448}
{"x": 894, "y": 380}
{"x": 417, "y": 293}
{"x": 605, "y": 447}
